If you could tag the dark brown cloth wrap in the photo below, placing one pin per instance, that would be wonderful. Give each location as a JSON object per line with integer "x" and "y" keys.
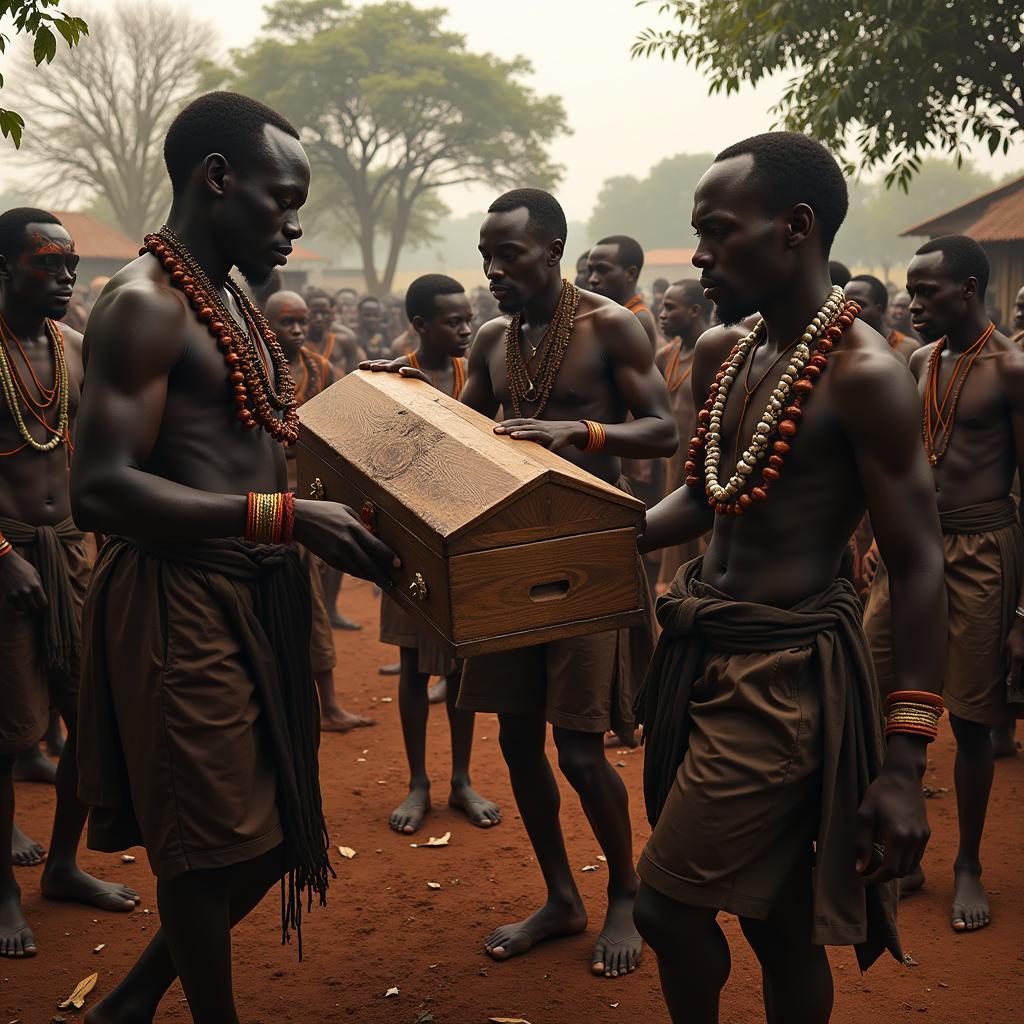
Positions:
{"x": 61, "y": 638}
{"x": 830, "y": 622}
{"x": 275, "y": 636}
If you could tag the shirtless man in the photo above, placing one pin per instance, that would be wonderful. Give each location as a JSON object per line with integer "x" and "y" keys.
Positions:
{"x": 761, "y": 714}
{"x": 1018, "y": 318}
{"x": 44, "y": 565}
{"x": 684, "y": 318}
{"x": 196, "y": 642}
{"x": 371, "y": 326}
{"x": 613, "y": 267}
{"x": 288, "y": 316}
{"x": 441, "y": 316}
{"x": 978, "y": 374}
{"x": 332, "y": 340}
{"x": 582, "y": 686}
{"x": 869, "y": 293}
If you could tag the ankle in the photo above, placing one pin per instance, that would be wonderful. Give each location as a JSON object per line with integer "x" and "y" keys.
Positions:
{"x": 625, "y": 890}
{"x": 419, "y": 782}
{"x": 460, "y": 781}
{"x": 967, "y": 866}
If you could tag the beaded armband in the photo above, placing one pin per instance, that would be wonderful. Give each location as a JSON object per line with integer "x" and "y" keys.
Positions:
{"x": 913, "y": 711}
{"x": 270, "y": 518}
{"x": 595, "y": 436}
{"x": 5, "y": 546}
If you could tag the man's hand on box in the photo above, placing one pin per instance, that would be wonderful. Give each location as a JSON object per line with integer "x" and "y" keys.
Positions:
{"x": 334, "y": 532}
{"x": 394, "y": 366}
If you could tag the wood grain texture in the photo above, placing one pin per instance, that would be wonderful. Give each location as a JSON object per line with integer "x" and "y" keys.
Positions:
{"x": 491, "y": 590}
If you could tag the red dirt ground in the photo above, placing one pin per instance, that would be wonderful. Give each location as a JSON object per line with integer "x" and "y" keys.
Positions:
{"x": 384, "y": 927}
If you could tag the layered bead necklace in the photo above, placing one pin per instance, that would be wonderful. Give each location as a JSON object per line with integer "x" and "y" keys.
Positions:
{"x": 255, "y": 394}
{"x": 16, "y": 391}
{"x": 778, "y": 424}
{"x": 940, "y": 416}
{"x": 555, "y": 343}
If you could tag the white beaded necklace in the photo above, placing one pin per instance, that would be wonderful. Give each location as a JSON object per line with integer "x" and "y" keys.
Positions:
{"x": 758, "y": 446}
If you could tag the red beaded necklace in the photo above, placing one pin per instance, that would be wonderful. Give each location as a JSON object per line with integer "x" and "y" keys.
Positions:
{"x": 787, "y": 428}
{"x": 255, "y": 394}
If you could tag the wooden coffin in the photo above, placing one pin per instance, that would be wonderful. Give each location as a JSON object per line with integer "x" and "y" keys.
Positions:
{"x": 503, "y": 544}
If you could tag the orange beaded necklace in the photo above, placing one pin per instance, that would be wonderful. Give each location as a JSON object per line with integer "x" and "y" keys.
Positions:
{"x": 940, "y": 416}
{"x": 459, "y": 373}
{"x": 674, "y": 377}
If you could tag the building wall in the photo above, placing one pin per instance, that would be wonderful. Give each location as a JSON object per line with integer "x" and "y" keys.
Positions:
{"x": 1007, "y": 275}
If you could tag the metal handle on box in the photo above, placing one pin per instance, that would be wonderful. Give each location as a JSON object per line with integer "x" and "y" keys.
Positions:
{"x": 418, "y": 588}
{"x": 316, "y": 489}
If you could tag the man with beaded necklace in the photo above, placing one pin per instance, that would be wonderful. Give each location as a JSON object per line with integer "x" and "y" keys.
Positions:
{"x": 567, "y": 369}
{"x": 772, "y": 793}
{"x": 44, "y": 564}
{"x": 198, "y": 711}
{"x": 971, "y": 378}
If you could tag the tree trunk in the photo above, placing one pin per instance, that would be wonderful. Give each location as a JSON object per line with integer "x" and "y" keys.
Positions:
{"x": 398, "y": 233}
{"x": 365, "y": 240}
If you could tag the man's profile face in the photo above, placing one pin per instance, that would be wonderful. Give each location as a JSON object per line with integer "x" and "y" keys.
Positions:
{"x": 742, "y": 252}
{"x": 518, "y": 264}
{"x": 1018, "y": 311}
{"x": 675, "y": 315}
{"x": 321, "y": 316}
{"x": 938, "y": 300}
{"x": 606, "y": 275}
{"x": 41, "y": 277}
{"x": 899, "y": 311}
{"x": 258, "y": 217}
{"x": 288, "y": 317}
{"x": 449, "y": 327}
{"x": 870, "y": 311}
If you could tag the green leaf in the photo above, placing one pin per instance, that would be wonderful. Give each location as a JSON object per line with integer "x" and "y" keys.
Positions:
{"x": 68, "y": 31}
{"x": 11, "y": 125}
{"x": 45, "y": 47}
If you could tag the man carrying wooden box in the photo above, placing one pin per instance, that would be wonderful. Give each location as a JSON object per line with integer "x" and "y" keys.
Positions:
{"x": 575, "y": 373}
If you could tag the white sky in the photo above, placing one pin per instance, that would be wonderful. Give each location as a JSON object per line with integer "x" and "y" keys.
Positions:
{"x": 626, "y": 114}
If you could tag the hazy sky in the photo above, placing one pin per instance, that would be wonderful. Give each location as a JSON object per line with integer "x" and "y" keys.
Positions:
{"x": 626, "y": 114}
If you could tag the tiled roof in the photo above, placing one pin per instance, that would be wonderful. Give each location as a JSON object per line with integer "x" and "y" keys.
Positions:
{"x": 993, "y": 216}
{"x": 96, "y": 240}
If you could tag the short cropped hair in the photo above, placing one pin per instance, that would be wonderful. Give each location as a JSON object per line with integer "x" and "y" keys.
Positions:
{"x": 419, "y": 299}
{"x": 318, "y": 293}
{"x": 879, "y": 293}
{"x": 839, "y": 273}
{"x": 12, "y": 228}
{"x": 546, "y": 217}
{"x": 660, "y": 284}
{"x": 693, "y": 295}
{"x": 791, "y": 168}
{"x": 219, "y": 122}
{"x": 631, "y": 253}
{"x": 961, "y": 256}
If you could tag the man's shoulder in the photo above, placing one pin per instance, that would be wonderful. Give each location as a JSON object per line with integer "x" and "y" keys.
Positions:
{"x": 1011, "y": 363}
{"x": 135, "y": 292}
{"x": 490, "y": 332}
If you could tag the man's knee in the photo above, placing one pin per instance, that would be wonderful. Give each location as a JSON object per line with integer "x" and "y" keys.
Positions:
{"x": 664, "y": 922}
{"x": 521, "y": 738}
{"x": 580, "y": 757}
{"x": 970, "y": 736}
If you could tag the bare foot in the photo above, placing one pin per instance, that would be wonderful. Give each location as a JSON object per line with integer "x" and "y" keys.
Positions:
{"x": 914, "y": 882}
{"x": 1004, "y": 740}
{"x": 438, "y": 693}
{"x": 112, "y": 1011}
{"x": 619, "y": 946}
{"x": 390, "y": 670}
{"x": 339, "y": 621}
{"x": 16, "y": 938}
{"x": 33, "y": 765}
{"x": 482, "y": 812}
{"x": 553, "y": 919}
{"x": 73, "y": 885}
{"x": 408, "y": 816}
{"x": 344, "y": 721}
{"x": 970, "y": 904}
{"x": 25, "y": 852}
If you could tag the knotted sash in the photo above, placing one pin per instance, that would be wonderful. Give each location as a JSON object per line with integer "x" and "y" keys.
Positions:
{"x": 697, "y": 620}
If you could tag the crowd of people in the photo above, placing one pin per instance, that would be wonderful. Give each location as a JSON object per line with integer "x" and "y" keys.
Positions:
{"x": 836, "y": 551}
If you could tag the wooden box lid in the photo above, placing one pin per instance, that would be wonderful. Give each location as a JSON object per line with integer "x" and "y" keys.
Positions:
{"x": 463, "y": 487}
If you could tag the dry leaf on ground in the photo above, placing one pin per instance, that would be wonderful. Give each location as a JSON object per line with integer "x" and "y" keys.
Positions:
{"x": 82, "y": 989}
{"x": 391, "y": 992}
{"x": 347, "y": 852}
{"x": 589, "y": 867}
{"x": 100, "y": 947}
{"x": 507, "y": 1020}
{"x": 127, "y": 858}
{"x": 433, "y": 885}
{"x": 443, "y": 841}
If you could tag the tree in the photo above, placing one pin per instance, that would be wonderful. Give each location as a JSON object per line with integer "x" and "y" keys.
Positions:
{"x": 393, "y": 109}
{"x": 102, "y": 119}
{"x": 655, "y": 209}
{"x": 895, "y": 80}
{"x": 877, "y": 214}
{"x": 32, "y": 18}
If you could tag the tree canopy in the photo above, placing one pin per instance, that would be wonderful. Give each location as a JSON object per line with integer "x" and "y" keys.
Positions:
{"x": 32, "y": 18}
{"x": 393, "y": 109}
{"x": 103, "y": 117}
{"x": 656, "y": 209}
{"x": 882, "y": 81}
